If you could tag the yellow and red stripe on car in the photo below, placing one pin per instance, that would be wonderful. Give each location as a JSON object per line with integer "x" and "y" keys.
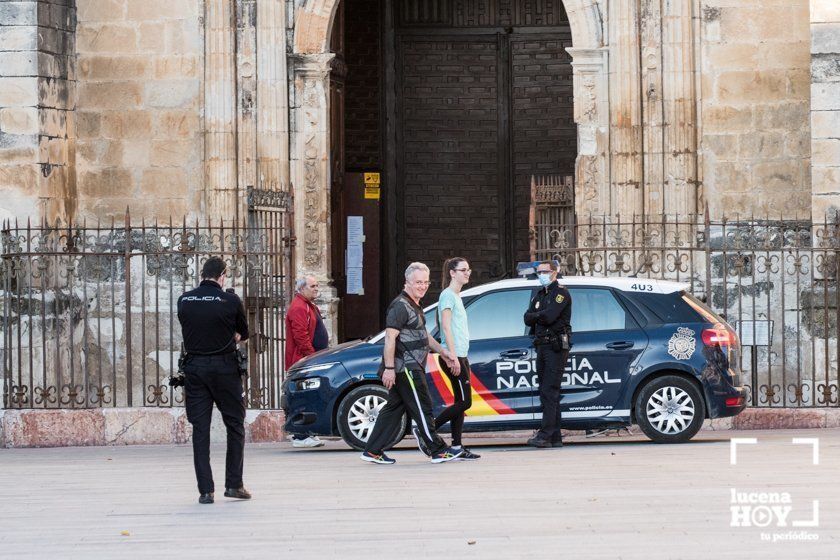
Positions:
{"x": 484, "y": 402}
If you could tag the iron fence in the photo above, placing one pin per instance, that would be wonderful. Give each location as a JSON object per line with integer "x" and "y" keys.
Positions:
{"x": 774, "y": 280}
{"x": 89, "y": 311}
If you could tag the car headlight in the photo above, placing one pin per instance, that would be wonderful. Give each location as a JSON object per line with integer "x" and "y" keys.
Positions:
{"x": 312, "y": 383}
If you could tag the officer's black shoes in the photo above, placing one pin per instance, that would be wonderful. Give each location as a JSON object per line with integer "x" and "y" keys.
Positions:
{"x": 537, "y": 441}
{"x": 206, "y": 498}
{"x": 238, "y": 493}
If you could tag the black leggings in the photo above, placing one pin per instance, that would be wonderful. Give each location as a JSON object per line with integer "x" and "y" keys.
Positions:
{"x": 463, "y": 400}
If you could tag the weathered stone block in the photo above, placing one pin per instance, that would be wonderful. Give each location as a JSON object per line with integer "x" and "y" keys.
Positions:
{"x": 775, "y": 175}
{"x": 825, "y": 38}
{"x": 106, "y": 183}
{"x": 132, "y": 426}
{"x": 825, "y": 124}
{"x": 732, "y": 56}
{"x": 18, "y": 92}
{"x": 825, "y": 180}
{"x": 19, "y": 38}
{"x": 724, "y": 146}
{"x": 163, "y": 182}
{"x": 825, "y": 96}
{"x": 54, "y": 428}
{"x": 158, "y": 9}
{"x": 751, "y": 87}
{"x": 135, "y": 153}
{"x": 798, "y": 143}
{"x": 171, "y": 93}
{"x": 113, "y": 67}
{"x": 172, "y": 153}
{"x": 19, "y": 120}
{"x": 825, "y": 11}
{"x": 177, "y": 66}
{"x": 126, "y": 124}
{"x": 722, "y": 118}
{"x": 825, "y": 68}
{"x": 266, "y": 426}
{"x": 90, "y": 11}
{"x": 87, "y": 124}
{"x": 794, "y": 54}
{"x": 110, "y": 95}
{"x": 151, "y": 37}
{"x": 769, "y": 145}
{"x": 107, "y": 38}
{"x": 826, "y": 151}
{"x": 19, "y": 13}
{"x": 177, "y": 124}
{"x": 21, "y": 63}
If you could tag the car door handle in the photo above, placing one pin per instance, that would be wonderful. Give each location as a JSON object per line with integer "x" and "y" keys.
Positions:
{"x": 514, "y": 354}
{"x": 621, "y": 345}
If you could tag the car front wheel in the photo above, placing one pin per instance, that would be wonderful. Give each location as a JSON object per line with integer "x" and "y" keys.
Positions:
{"x": 670, "y": 409}
{"x": 357, "y": 415}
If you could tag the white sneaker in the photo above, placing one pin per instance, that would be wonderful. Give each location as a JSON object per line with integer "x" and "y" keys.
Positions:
{"x": 311, "y": 441}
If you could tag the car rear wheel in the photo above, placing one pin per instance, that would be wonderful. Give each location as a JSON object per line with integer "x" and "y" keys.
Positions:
{"x": 670, "y": 409}
{"x": 357, "y": 414}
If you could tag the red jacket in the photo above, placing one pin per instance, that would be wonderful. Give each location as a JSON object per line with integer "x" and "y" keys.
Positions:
{"x": 301, "y": 318}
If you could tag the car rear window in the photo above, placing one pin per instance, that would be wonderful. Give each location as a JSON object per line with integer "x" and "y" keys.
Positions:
{"x": 678, "y": 307}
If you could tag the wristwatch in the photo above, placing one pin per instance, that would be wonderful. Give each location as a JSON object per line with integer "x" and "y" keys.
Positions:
{"x": 386, "y": 367}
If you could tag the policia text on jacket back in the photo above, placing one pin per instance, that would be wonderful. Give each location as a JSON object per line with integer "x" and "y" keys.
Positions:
{"x": 213, "y": 322}
{"x": 549, "y": 316}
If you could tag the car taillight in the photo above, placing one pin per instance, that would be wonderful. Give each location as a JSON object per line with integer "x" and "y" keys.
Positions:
{"x": 735, "y": 401}
{"x": 719, "y": 335}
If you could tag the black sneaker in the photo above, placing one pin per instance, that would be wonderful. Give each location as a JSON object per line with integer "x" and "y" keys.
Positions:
{"x": 378, "y": 459}
{"x": 468, "y": 455}
{"x": 206, "y": 498}
{"x": 421, "y": 445}
{"x": 447, "y": 454}
{"x": 537, "y": 441}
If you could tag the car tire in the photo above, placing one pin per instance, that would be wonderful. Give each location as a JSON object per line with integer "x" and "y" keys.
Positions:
{"x": 354, "y": 412}
{"x": 670, "y": 409}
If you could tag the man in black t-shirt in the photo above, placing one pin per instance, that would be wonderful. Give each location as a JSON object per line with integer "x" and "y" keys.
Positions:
{"x": 403, "y": 372}
{"x": 212, "y": 323}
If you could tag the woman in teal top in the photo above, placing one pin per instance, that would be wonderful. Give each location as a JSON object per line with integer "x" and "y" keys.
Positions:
{"x": 455, "y": 335}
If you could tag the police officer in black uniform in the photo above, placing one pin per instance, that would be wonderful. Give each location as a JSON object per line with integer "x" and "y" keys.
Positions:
{"x": 212, "y": 323}
{"x": 549, "y": 316}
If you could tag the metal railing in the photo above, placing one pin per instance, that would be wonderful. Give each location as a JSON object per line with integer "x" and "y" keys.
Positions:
{"x": 775, "y": 281}
{"x": 89, "y": 311}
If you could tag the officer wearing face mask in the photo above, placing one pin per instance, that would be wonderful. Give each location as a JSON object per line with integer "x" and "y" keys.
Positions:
{"x": 549, "y": 316}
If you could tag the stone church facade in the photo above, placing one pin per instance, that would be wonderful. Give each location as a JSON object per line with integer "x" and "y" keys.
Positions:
{"x": 175, "y": 108}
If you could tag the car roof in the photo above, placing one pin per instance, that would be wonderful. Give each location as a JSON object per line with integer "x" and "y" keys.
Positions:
{"x": 624, "y": 284}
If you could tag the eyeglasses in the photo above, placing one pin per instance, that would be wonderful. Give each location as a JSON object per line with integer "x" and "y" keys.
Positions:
{"x": 421, "y": 283}
{"x": 464, "y": 270}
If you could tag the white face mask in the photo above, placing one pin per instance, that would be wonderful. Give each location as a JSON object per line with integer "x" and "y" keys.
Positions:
{"x": 544, "y": 278}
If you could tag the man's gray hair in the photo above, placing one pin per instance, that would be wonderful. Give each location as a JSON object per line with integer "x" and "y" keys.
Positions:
{"x": 413, "y": 267}
{"x": 300, "y": 283}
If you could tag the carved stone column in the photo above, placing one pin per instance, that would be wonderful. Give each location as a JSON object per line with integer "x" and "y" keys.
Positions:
{"x": 592, "y": 117}
{"x": 311, "y": 176}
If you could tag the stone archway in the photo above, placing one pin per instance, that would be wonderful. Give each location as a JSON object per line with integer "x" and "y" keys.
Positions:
{"x": 310, "y": 134}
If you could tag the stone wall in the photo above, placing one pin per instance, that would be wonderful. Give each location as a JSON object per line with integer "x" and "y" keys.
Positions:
{"x": 755, "y": 90}
{"x": 36, "y": 109}
{"x": 825, "y": 107}
{"x": 139, "y": 139}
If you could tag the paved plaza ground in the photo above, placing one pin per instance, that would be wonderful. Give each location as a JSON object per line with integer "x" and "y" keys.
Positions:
{"x": 606, "y": 497}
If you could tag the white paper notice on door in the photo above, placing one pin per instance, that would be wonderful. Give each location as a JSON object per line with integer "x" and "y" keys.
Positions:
{"x": 354, "y": 256}
{"x": 355, "y": 230}
{"x": 354, "y": 281}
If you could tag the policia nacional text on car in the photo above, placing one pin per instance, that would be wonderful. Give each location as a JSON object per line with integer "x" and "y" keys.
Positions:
{"x": 549, "y": 316}
{"x": 213, "y": 322}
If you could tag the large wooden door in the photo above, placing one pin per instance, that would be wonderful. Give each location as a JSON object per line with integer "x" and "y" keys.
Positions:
{"x": 483, "y": 102}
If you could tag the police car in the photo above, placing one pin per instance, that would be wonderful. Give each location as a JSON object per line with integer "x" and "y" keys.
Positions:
{"x": 643, "y": 351}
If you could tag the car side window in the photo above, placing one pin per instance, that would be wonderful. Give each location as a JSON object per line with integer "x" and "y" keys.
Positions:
{"x": 431, "y": 320}
{"x": 498, "y": 314}
{"x": 597, "y": 310}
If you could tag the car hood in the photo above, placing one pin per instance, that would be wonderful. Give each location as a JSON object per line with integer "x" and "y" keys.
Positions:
{"x": 345, "y": 352}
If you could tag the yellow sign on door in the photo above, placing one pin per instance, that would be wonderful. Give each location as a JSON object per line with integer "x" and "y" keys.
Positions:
{"x": 372, "y": 192}
{"x": 372, "y": 179}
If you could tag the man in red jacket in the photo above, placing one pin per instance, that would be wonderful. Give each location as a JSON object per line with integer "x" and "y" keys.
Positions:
{"x": 305, "y": 335}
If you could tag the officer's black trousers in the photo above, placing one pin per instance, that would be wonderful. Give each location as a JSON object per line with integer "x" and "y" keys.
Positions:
{"x": 550, "y": 367}
{"x": 215, "y": 379}
{"x": 409, "y": 394}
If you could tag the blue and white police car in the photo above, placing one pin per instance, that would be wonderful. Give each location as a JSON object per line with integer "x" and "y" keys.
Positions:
{"x": 643, "y": 351}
